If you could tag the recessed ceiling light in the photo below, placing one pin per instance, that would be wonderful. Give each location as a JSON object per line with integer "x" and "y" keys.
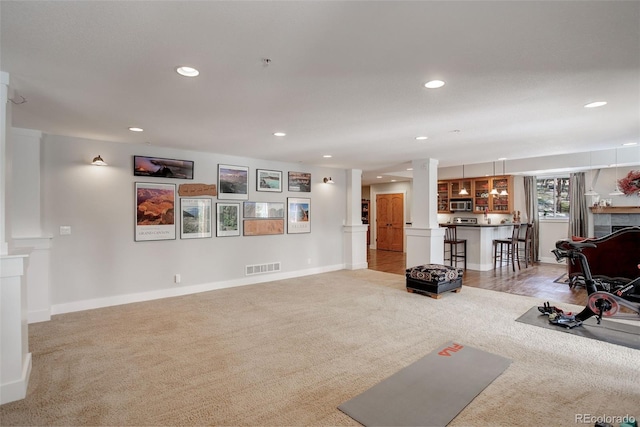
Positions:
{"x": 627, "y": 144}
{"x": 135, "y": 129}
{"x": 595, "y": 104}
{"x": 279, "y": 134}
{"x": 434, "y": 84}
{"x": 187, "y": 71}
{"x": 379, "y": 177}
{"x": 393, "y": 180}
{"x": 421, "y": 138}
{"x": 327, "y": 156}
{"x": 502, "y": 158}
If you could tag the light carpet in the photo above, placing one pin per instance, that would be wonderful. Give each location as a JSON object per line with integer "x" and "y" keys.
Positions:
{"x": 290, "y": 351}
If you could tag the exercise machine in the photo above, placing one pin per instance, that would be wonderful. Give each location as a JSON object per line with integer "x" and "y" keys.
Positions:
{"x": 608, "y": 297}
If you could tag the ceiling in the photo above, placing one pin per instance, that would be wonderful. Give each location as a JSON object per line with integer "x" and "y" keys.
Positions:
{"x": 343, "y": 78}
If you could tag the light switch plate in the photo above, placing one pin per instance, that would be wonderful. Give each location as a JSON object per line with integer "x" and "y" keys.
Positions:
{"x": 65, "y": 230}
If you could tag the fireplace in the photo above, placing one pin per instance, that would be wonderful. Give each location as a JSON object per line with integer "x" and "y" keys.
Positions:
{"x": 609, "y": 219}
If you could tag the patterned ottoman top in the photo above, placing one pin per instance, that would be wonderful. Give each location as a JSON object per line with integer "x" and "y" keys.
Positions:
{"x": 434, "y": 273}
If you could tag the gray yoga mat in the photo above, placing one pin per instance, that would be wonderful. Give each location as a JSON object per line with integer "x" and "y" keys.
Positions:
{"x": 430, "y": 391}
{"x": 612, "y": 332}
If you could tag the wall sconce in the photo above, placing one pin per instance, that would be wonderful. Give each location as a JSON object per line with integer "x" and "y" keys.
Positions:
{"x": 97, "y": 161}
{"x": 328, "y": 180}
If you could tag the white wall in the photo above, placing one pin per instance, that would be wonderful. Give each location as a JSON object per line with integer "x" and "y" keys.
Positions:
{"x": 100, "y": 264}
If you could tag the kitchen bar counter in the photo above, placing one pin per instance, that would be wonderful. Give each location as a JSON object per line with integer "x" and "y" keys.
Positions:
{"x": 477, "y": 225}
{"x": 480, "y": 242}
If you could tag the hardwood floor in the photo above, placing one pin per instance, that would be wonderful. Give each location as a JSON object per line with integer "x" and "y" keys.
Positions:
{"x": 537, "y": 280}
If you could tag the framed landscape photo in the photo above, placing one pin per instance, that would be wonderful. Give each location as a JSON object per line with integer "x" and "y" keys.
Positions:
{"x": 228, "y": 219}
{"x": 268, "y": 180}
{"x": 299, "y": 215}
{"x": 263, "y": 210}
{"x": 233, "y": 182}
{"x": 163, "y": 168}
{"x": 155, "y": 211}
{"x": 300, "y": 181}
{"x": 195, "y": 217}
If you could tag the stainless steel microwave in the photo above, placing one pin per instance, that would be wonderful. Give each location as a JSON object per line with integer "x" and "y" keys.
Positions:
{"x": 460, "y": 205}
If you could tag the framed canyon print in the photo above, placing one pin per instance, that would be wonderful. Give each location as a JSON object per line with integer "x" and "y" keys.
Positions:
{"x": 155, "y": 211}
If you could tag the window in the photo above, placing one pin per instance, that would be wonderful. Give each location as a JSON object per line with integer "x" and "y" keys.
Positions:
{"x": 553, "y": 197}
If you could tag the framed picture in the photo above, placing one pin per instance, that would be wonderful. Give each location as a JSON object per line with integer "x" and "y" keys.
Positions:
{"x": 263, "y": 210}
{"x": 163, "y": 168}
{"x": 263, "y": 227}
{"x": 233, "y": 182}
{"x": 228, "y": 219}
{"x": 195, "y": 217}
{"x": 300, "y": 181}
{"x": 155, "y": 211}
{"x": 267, "y": 180}
{"x": 299, "y": 219}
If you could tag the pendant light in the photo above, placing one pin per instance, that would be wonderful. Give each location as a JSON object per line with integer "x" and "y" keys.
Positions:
{"x": 464, "y": 191}
{"x": 504, "y": 190}
{"x": 591, "y": 192}
{"x": 494, "y": 190}
{"x": 617, "y": 191}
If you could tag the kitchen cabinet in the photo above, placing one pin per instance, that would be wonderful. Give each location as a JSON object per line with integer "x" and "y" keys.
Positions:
{"x": 484, "y": 201}
{"x": 481, "y": 196}
{"x": 502, "y": 204}
{"x": 480, "y": 192}
{"x": 458, "y": 185}
{"x": 365, "y": 218}
{"x": 443, "y": 197}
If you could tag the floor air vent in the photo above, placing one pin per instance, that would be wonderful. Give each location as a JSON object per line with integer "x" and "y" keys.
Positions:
{"x": 271, "y": 267}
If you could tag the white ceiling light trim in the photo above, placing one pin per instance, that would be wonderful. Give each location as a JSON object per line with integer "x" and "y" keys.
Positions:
{"x": 434, "y": 84}
{"x": 187, "y": 71}
{"x": 421, "y": 138}
{"x": 136, "y": 129}
{"x": 279, "y": 134}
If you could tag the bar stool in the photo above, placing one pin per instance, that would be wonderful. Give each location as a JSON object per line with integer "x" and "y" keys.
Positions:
{"x": 508, "y": 249}
{"x": 452, "y": 242}
{"x": 525, "y": 244}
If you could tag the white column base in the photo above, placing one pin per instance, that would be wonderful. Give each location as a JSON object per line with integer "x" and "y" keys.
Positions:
{"x": 17, "y": 390}
{"x": 355, "y": 246}
{"x": 424, "y": 246}
{"x": 15, "y": 359}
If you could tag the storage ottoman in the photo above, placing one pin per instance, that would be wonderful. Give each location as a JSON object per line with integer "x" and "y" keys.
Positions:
{"x": 434, "y": 279}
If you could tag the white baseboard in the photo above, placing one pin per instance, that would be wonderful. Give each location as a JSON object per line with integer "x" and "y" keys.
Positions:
{"x": 38, "y": 316}
{"x": 186, "y": 290}
{"x": 359, "y": 266}
{"x": 16, "y": 390}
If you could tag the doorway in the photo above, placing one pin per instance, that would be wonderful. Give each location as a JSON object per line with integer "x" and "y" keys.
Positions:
{"x": 390, "y": 222}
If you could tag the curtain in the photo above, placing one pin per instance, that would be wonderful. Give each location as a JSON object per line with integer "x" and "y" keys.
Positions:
{"x": 578, "y": 218}
{"x": 531, "y": 206}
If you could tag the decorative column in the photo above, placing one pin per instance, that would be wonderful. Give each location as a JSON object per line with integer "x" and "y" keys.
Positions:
{"x": 355, "y": 232}
{"x": 15, "y": 359}
{"x": 425, "y": 238}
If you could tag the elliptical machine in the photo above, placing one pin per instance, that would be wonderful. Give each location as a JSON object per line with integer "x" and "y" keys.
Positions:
{"x": 605, "y": 296}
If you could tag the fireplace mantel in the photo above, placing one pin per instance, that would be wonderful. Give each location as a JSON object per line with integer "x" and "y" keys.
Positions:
{"x": 615, "y": 210}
